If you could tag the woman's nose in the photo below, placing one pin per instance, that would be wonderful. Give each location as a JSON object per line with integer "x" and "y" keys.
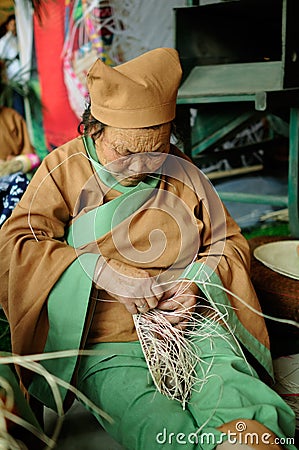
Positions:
{"x": 137, "y": 164}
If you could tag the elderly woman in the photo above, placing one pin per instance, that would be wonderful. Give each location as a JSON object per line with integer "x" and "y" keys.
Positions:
{"x": 117, "y": 225}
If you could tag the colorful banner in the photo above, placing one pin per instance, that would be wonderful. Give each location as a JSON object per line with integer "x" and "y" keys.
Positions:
{"x": 59, "y": 120}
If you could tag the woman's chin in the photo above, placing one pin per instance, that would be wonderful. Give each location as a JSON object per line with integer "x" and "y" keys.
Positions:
{"x": 131, "y": 180}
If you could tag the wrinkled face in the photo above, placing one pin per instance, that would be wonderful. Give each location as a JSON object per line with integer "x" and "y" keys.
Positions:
{"x": 131, "y": 154}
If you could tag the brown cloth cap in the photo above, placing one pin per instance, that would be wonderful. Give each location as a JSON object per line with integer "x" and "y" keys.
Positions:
{"x": 137, "y": 94}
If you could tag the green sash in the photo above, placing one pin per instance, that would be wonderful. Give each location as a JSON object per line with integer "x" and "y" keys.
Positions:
{"x": 69, "y": 299}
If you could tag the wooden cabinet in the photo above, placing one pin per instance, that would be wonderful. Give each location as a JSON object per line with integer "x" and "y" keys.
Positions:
{"x": 243, "y": 52}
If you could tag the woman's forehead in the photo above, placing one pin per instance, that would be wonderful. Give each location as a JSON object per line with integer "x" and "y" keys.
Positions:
{"x": 144, "y": 136}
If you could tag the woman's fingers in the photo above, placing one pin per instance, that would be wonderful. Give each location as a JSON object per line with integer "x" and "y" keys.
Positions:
{"x": 142, "y": 306}
{"x": 131, "y": 308}
{"x": 179, "y": 309}
{"x": 137, "y": 305}
{"x": 152, "y": 302}
{"x": 179, "y": 302}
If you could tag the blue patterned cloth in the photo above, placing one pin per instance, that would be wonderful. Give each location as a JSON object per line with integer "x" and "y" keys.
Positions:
{"x": 12, "y": 187}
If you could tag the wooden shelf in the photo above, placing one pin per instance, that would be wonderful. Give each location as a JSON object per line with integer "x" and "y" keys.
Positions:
{"x": 232, "y": 79}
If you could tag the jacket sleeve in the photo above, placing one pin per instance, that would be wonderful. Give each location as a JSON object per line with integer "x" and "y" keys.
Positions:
{"x": 33, "y": 255}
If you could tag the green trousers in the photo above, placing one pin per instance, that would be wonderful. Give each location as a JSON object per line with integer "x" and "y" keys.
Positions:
{"x": 118, "y": 381}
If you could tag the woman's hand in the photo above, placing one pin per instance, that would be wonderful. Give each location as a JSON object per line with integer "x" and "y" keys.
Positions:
{"x": 132, "y": 287}
{"x": 178, "y": 303}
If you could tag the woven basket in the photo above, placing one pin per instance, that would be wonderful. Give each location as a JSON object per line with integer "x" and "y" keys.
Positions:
{"x": 278, "y": 294}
